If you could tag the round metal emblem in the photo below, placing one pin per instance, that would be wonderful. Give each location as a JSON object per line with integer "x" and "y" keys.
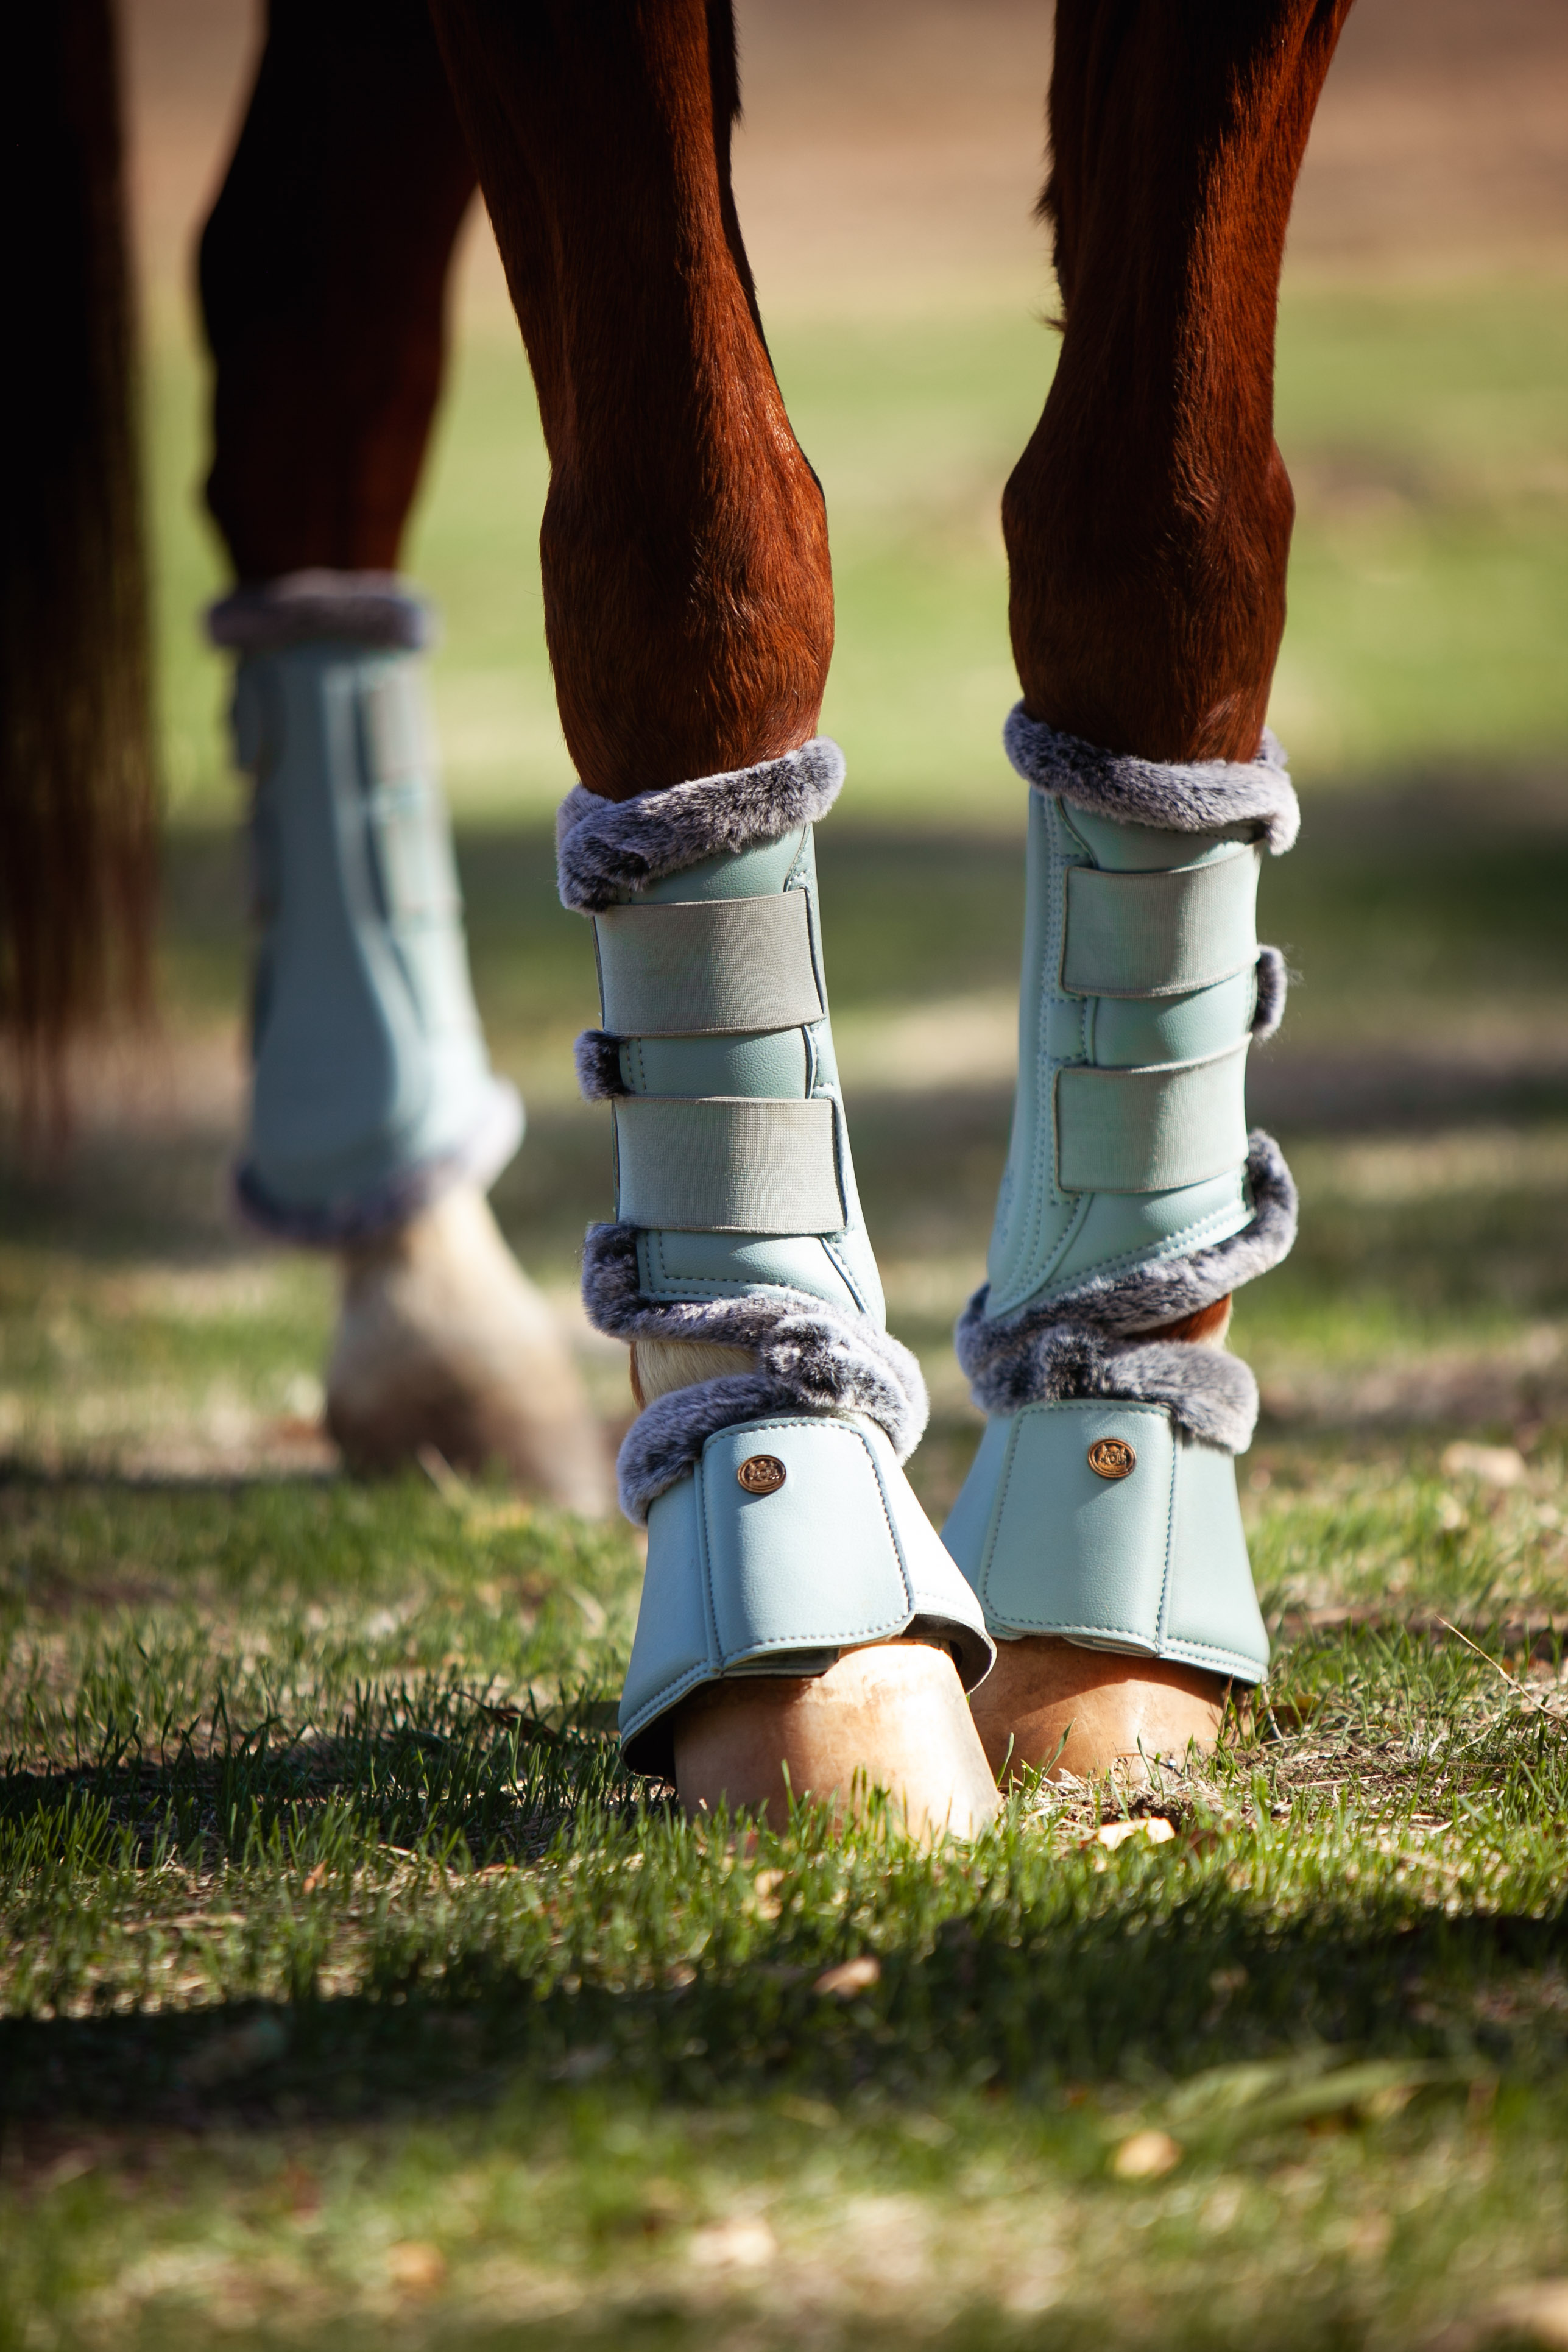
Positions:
{"x": 1111, "y": 1457}
{"x": 761, "y": 1473}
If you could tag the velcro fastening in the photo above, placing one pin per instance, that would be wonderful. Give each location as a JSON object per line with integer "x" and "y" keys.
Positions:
{"x": 1150, "y": 1130}
{"x": 705, "y": 967}
{"x": 1159, "y": 934}
{"x": 727, "y": 1164}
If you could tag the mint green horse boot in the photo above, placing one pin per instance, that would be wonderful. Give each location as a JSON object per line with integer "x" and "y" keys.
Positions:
{"x": 1101, "y": 1515}
{"x": 377, "y": 1125}
{"x": 796, "y": 1597}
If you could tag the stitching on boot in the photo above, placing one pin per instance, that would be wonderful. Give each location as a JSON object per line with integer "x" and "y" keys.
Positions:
{"x": 1190, "y": 796}
{"x": 360, "y": 608}
{"x": 606, "y": 848}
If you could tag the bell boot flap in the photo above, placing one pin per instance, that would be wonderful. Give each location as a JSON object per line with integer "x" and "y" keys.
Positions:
{"x": 1109, "y": 1526}
{"x": 793, "y": 1539}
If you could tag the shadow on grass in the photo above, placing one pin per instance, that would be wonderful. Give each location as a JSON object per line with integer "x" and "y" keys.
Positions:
{"x": 1006, "y": 2000}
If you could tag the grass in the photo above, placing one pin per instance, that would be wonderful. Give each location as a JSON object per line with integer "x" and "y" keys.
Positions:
{"x": 348, "y": 1984}
{"x": 350, "y": 1994}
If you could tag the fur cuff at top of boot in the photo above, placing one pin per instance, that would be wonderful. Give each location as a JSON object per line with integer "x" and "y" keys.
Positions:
{"x": 359, "y": 608}
{"x": 1123, "y": 1208}
{"x": 717, "y": 1055}
{"x": 372, "y": 1092}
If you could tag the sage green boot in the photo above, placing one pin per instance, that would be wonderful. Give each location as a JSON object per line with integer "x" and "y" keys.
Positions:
{"x": 1102, "y": 1507}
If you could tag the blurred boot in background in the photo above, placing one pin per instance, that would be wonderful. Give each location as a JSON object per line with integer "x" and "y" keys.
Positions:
{"x": 376, "y": 1123}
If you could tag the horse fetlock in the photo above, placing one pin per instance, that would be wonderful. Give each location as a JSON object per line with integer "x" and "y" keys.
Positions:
{"x": 444, "y": 1343}
{"x": 659, "y": 1366}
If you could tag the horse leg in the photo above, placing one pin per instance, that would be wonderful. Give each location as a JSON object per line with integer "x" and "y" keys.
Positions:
{"x": 801, "y": 1626}
{"x": 1148, "y": 525}
{"x": 376, "y": 1125}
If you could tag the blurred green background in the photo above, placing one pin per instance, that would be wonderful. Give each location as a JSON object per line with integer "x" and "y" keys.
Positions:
{"x": 1425, "y": 429}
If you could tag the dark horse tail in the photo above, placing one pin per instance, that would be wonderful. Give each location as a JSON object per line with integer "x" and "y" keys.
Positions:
{"x": 77, "y": 802}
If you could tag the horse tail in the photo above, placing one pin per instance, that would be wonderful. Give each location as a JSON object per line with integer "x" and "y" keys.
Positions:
{"x": 78, "y": 795}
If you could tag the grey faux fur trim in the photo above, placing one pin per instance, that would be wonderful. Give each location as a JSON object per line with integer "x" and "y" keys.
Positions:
{"x": 811, "y": 1358}
{"x": 1212, "y": 1395}
{"x": 1196, "y": 796}
{"x": 605, "y": 848}
{"x": 667, "y": 1439}
{"x": 1122, "y": 1305}
{"x": 598, "y": 1059}
{"x": 339, "y": 1224}
{"x": 362, "y": 608}
{"x": 1273, "y": 986}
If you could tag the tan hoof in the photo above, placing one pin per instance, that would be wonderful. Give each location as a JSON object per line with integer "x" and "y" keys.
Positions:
{"x": 892, "y": 1715}
{"x": 1091, "y": 1711}
{"x": 443, "y": 1341}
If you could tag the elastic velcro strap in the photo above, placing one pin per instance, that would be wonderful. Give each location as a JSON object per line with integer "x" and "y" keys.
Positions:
{"x": 1150, "y": 1130}
{"x": 726, "y": 1164}
{"x": 702, "y": 966}
{"x": 1159, "y": 934}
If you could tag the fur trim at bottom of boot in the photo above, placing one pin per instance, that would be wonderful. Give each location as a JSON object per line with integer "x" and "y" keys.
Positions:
{"x": 399, "y": 1196}
{"x": 809, "y": 1356}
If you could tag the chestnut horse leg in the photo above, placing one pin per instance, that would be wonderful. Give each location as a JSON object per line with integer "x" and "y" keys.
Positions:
{"x": 376, "y": 1126}
{"x": 689, "y": 610}
{"x": 1148, "y": 525}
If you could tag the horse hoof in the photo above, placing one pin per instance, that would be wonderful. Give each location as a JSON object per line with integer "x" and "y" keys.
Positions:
{"x": 443, "y": 1341}
{"x": 892, "y": 1716}
{"x": 1091, "y": 1711}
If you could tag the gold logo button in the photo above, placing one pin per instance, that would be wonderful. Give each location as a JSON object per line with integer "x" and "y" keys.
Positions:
{"x": 1111, "y": 1457}
{"x": 761, "y": 1473}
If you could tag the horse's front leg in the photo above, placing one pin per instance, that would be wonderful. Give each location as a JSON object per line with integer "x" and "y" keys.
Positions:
{"x": 801, "y": 1624}
{"x": 376, "y": 1126}
{"x": 1148, "y": 525}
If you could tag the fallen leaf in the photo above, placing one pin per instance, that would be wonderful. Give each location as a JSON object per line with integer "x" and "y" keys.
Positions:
{"x": 661, "y": 2205}
{"x": 1152, "y": 1830}
{"x": 765, "y": 1892}
{"x": 744, "y": 2242}
{"x": 1494, "y": 1465}
{"x": 815, "y": 2113}
{"x": 1538, "y": 2311}
{"x": 1146, "y": 2156}
{"x": 416, "y": 2266}
{"x": 581, "y": 2065}
{"x": 849, "y": 1977}
{"x": 317, "y": 1877}
{"x": 224, "y": 2056}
